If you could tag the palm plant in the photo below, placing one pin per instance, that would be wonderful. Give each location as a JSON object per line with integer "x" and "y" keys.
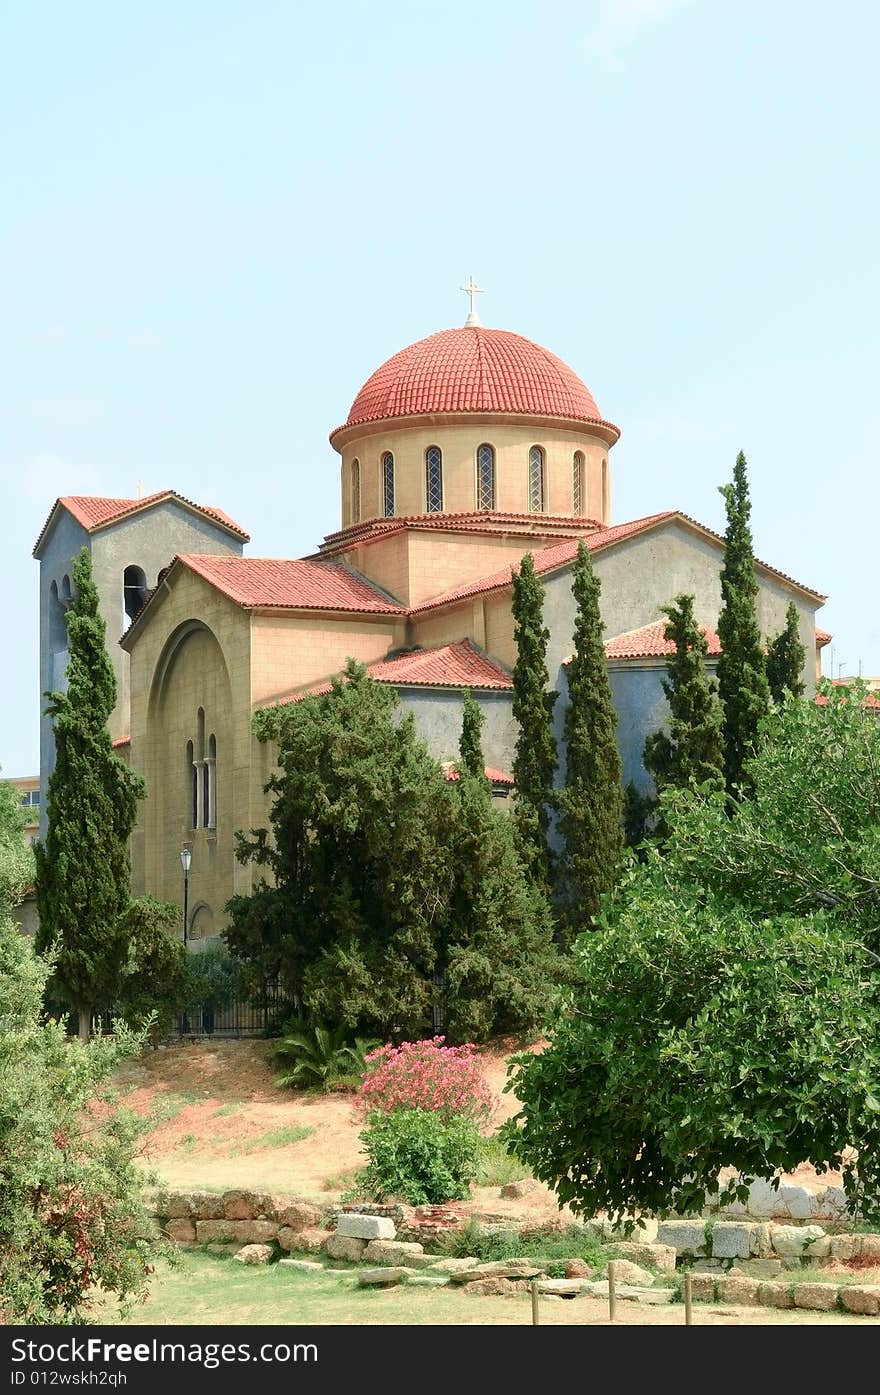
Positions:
{"x": 321, "y": 1058}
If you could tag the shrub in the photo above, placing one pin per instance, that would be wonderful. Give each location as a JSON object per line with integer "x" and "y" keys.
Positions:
{"x": 426, "y": 1076}
{"x": 321, "y": 1058}
{"x": 420, "y": 1155}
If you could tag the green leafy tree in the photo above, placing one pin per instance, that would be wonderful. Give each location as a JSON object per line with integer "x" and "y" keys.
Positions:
{"x": 389, "y": 879}
{"x": 470, "y": 747}
{"x": 785, "y": 659}
{"x": 496, "y": 956}
{"x": 534, "y": 762}
{"x": 72, "y": 1222}
{"x": 83, "y": 869}
{"x": 590, "y": 804}
{"x": 360, "y": 857}
{"x": 691, "y": 752}
{"x": 727, "y": 1010}
{"x": 154, "y": 979}
{"x": 742, "y": 677}
{"x": 639, "y": 815}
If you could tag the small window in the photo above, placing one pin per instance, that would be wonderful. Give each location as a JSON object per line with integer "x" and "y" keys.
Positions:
{"x": 485, "y": 476}
{"x": 134, "y": 590}
{"x": 577, "y": 483}
{"x": 355, "y": 490}
{"x": 192, "y": 784}
{"x": 388, "y": 483}
{"x": 605, "y": 509}
{"x": 211, "y": 784}
{"x": 536, "y": 480}
{"x": 434, "y": 479}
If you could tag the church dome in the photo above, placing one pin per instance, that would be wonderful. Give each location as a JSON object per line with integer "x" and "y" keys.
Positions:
{"x": 473, "y": 370}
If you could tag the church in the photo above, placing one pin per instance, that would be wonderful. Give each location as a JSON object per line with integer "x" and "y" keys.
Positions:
{"x": 458, "y": 455}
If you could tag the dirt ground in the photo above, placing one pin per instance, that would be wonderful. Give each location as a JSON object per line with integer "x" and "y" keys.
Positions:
{"x": 215, "y": 1102}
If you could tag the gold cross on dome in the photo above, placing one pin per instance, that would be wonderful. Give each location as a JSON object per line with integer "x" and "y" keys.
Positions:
{"x": 470, "y": 290}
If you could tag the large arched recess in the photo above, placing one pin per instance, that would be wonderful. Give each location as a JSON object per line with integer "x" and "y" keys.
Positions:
{"x": 191, "y": 673}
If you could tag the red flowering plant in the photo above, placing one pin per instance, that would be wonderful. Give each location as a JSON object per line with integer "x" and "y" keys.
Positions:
{"x": 425, "y": 1075}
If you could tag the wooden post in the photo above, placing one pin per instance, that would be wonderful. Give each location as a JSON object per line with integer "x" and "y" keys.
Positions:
{"x": 688, "y": 1299}
{"x": 535, "y": 1314}
{"x": 612, "y": 1291}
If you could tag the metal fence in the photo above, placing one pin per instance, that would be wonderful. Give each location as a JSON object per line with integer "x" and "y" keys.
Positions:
{"x": 252, "y": 1017}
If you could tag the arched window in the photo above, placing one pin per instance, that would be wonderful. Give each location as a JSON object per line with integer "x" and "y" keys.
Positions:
{"x": 66, "y": 595}
{"x": 388, "y": 483}
{"x": 605, "y": 508}
{"x": 536, "y": 480}
{"x": 355, "y": 490}
{"x": 192, "y": 784}
{"x": 434, "y": 479}
{"x": 134, "y": 590}
{"x": 485, "y": 476}
{"x": 577, "y": 483}
{"x": 211, "y": 783}
{"x": 57, "y": 627}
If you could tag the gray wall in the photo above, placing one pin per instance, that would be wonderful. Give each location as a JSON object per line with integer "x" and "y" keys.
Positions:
{"x": 149, "y": 540}
{"x": 438, "y": 722}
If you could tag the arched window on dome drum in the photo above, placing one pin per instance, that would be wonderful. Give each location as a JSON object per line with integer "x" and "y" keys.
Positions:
{"x": 434, "y": 479}
{"x": 388, "y": 483}
{"x": 485, "y": 476}
{"x": 605, "y": 510}
{"x": 355, "y": 490}
{"x": 536, "y": 480}
{"x": 577, "y": 483}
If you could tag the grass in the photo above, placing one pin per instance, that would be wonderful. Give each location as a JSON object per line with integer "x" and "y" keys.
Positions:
{"x": 497, "y": 1166}
{"x": 275, "y": 1138}
{"x": 226, "y": 1109}
{"x": 573, "y": 1243}
{"x": 209, "y": 1291}
{"x": 169, "y": 1104}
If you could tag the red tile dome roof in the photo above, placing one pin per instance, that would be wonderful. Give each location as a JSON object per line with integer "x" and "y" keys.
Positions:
{"x": 473, "y": 370}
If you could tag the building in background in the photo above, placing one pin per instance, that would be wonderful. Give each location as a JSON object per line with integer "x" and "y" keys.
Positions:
{"x": 458, "y": 455}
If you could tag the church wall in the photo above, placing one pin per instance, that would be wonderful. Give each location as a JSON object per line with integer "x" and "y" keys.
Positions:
{"x": 290, "y": 651}
{"x": 386, "y": 563}
{"x": 448, "y": 626}
{"x": 642, "y": 573}
{"x": 459, "y": 442}
{"x": 438, "y": 722}
{"x": 56, "y": 560}
{"x": 193, "y": 653}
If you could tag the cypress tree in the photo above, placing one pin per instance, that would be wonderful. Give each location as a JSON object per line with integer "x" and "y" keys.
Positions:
{"x": 83, "y": 870}
{"x": 470, "y": 748}
{"x": 692, "y": 751}
{"x": 785, "y": 659}
{"x": 591, "y": 803}
{"x": 534, "y": 763}
{"x": 742, "y": 676}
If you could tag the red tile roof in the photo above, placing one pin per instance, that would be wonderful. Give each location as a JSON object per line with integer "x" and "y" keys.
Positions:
{"x": 122, "y": 741}
{"x": 870, "y": 700}
{"x": 562, "y": 553}
{"x": 557, "y": 555}
{"x": 459, "y": 665}
{"x": 279, "y": 583}
{"x": 474, "y": 370}
{"x": 497, "y": 777}
{"x": 94, "y": 513}
{"x": 533, "y": 525}
{"x": 822, "y": 638}
{"x": 649, "y": 643}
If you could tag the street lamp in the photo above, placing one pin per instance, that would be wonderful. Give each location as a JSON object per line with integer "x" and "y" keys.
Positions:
{"x": 185, "y": 862}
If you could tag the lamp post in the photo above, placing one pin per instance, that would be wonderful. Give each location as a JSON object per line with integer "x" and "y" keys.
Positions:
{"x": 185, "y": 862}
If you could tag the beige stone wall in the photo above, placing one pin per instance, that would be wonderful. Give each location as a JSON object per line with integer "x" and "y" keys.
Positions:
{"x": 194, "y": 653}
{"x": 291, "y": 651}
{"x": 458, "y": 439}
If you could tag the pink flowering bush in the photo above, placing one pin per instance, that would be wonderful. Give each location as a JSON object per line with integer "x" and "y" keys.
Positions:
{"x": 425, "y": 1075}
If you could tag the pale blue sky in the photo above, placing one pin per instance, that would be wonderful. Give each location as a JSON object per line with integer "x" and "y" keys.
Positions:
{"x": 219, "y": 218}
